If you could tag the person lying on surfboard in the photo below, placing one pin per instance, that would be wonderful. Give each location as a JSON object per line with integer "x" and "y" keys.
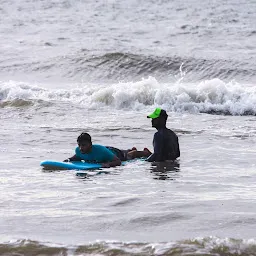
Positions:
{"x": 107, "y": 156}
{"x": 165, "y": 142}
{"x": 93, "y": 153}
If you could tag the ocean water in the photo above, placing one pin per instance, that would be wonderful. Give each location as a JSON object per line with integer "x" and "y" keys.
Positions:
{"x": 68, "y": 67}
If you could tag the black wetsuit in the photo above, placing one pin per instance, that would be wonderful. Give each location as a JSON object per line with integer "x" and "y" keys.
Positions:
{"x": 166, "y": 146}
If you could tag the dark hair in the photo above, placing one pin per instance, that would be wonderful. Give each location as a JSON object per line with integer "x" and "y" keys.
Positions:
{"x": 84, "y": 137}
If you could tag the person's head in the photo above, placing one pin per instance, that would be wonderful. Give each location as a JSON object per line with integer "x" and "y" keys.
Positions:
{"x": 84, "y": 142}
{"x": 158, "y": 118}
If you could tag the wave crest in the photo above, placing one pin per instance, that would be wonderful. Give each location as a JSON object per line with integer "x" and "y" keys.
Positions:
{"x": 210, "y": 96}
{"x": 115, "y": 66}
{"x": 123, "y": 66}
{"x": 210, "y": 246}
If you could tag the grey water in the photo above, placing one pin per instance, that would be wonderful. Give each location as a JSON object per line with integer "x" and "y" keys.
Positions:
{"x": 101, "y": 66}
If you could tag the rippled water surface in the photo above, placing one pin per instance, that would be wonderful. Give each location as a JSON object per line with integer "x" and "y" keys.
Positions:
{"x": 68, "y": 66}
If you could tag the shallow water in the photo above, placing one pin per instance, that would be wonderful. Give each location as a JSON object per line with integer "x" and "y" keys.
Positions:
{"x": 101, "y": 67}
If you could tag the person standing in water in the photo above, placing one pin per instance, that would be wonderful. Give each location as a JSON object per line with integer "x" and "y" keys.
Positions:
{"x": 165, "y": 142}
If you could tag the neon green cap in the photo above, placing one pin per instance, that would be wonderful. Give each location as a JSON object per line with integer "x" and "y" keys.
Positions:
{"x": 155, "y": 114}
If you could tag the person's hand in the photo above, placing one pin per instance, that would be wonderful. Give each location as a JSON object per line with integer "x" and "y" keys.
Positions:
{"x": 106, "y": 165}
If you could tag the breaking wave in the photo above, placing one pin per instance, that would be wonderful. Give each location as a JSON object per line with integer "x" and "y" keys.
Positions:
{"x": 209, "y": 96}
{"x": 210, "y": 246}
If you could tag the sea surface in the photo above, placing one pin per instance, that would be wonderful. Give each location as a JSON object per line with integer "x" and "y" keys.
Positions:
{"x": 68, "y": 67}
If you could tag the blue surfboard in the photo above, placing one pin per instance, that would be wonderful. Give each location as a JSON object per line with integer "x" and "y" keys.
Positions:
{"x": 48, "y": 164}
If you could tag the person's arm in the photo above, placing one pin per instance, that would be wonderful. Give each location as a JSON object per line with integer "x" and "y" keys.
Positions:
{"x": 178, "y": 149}
{"x": 157, "y": 156}
{"x": 115, "y": 162}
{"x": 72, "y": 159}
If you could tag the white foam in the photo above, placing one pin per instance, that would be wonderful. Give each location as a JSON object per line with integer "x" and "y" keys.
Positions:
{"x": 207, "y": 96}
{"x": 196, "y": 246}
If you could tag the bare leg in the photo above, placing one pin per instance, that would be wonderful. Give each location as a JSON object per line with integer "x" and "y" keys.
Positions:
{"x": 138, "y": 154}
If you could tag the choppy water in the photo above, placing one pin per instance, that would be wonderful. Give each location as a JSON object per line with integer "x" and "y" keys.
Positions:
{"x": 101, "y": 67}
